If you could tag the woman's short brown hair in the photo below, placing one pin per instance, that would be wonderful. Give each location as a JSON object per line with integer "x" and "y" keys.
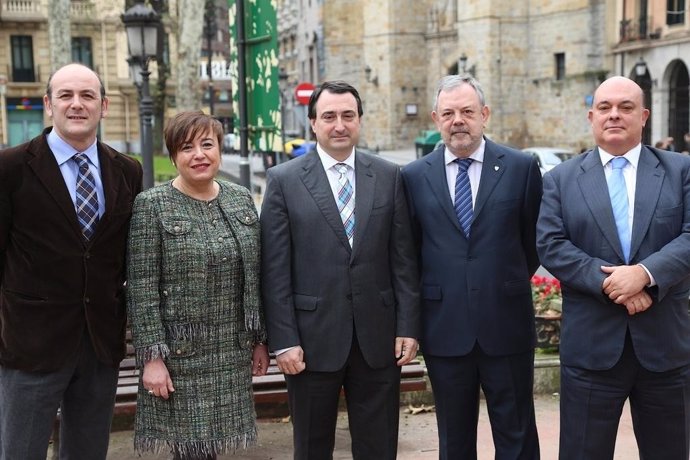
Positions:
{"x": 186, "y": 126}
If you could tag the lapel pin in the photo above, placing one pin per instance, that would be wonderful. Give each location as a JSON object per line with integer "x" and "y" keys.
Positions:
{"x": 496, "y": 168}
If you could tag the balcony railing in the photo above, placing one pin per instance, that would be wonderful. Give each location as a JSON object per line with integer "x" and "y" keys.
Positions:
{"x": 22, "y": 10}
{"x": 37, "y": 10}
{"x": 632, "y": 30}
{"x": 83, "y": 10}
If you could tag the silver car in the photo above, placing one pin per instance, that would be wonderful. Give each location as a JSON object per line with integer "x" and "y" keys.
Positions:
{"x": 548, "y": 157}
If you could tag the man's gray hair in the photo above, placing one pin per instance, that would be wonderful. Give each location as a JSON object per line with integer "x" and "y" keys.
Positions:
{"x": 450, "y": 82}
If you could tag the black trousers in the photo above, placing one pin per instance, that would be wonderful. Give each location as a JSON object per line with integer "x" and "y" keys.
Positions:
{"x": 372, "y": 397}
{"x": 507, "y": 383}
{"x": 592, "y": 403}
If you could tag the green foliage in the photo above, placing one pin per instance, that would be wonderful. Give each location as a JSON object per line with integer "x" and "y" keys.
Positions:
{"x": 163, "y": 169}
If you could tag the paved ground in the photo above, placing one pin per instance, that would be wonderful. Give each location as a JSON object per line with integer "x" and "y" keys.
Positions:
{"x": 418, "y": 438}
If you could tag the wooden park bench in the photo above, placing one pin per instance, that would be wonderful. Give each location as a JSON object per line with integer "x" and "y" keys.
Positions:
{"x": 270, "y": 392}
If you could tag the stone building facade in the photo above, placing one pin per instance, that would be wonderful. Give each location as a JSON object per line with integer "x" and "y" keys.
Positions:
{"x": 651, "y": 44}
{"x": 539, "y": 62}
{"x": 98, "y": 40}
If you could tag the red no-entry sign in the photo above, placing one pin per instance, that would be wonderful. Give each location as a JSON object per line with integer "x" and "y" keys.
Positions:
{"x": 303, "y": 93}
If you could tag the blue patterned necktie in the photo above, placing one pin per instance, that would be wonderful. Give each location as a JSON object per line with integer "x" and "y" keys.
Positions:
{"x": 619, "y": 202}
{"x": 346, "y": 202}
{"x": 463, "y": 195}
{"x": 86, "y": 198}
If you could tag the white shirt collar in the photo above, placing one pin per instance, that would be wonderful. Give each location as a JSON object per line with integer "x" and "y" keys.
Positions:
{"x": 328, "y": 161}
{"x": 632, "y": 155}
{"x": 477, "y": 155}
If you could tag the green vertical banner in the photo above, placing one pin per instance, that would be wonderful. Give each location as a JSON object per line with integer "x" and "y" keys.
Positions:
{"x": 263, "y": 94}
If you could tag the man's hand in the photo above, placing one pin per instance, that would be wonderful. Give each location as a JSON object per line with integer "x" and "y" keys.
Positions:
{"x": 156, "y": 379}
{"x": 405, "y": 349}
{"x": 624, "y": 281}
{"x": 260, "y": 359}
{"x": 292, "y": 361}
{"x": 638, "y": 303}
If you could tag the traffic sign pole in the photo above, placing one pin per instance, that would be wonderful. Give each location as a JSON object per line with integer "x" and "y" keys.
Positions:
{"x": 303, "y": 93}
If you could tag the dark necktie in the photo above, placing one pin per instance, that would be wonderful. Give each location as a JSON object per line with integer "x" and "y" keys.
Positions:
{"x": 463, "y": 195}
{"x": 86, "y": 200}
{"x": 619, "y": 202}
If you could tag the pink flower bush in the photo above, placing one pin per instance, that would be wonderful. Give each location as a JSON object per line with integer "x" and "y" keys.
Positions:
{"x": 546, "y": 295}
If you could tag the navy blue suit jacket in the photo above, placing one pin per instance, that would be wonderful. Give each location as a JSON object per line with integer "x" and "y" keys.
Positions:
{"x": 577, "y": 235}
{"x": 477, "y": 290}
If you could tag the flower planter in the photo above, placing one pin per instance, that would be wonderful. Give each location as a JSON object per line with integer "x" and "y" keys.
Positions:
{"x": 548, "y": 330}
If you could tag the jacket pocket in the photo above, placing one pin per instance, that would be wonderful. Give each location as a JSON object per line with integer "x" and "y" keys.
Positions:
{"x": 246, "y": 217}
{"x": 432, "y": 292}
{"x": 305, "y": 302}
{"x": 181, "y": 349}
{"x": 177, "y": 226}
{"x": 388, "y": 297}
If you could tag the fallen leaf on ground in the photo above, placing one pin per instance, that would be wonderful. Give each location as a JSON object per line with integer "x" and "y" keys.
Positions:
{"x": 412, "y": 410}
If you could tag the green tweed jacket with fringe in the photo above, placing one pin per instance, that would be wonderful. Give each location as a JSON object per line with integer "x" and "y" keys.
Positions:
{"x": 193, "y": 299}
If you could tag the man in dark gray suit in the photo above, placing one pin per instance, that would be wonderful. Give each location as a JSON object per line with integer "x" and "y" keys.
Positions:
{"x": 474, "y": 206}
{"x": 339, "y": 283}
{"x": 614, "y": 227}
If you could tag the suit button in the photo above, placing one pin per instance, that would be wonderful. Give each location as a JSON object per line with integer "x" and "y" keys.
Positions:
{"x": 87, "y": 300}
{"x": 87, "y": 256}
{"x": 220, "y": 239}
{"x": 349, "y": 297}
{"x": 176, "y": 228}
{"x": 178, "y": 352}
{"x": 165, "y": 293}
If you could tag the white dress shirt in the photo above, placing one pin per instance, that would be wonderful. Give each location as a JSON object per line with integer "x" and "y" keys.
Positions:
{"x": 474, "y": 172}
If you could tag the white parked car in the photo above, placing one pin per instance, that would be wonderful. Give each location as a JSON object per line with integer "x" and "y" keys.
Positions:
{"x": 548, "y": 157}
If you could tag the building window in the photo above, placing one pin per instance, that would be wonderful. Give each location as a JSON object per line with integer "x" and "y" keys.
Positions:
{"x": 675, "y": 12}
{"x": 560, "y": 65}
{"x": 81, "y": 51}
{"x": 22, "y": 58}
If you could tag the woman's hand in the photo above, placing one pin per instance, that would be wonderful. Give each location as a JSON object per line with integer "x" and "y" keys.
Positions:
{"x": 156, "y": 379}
{"x": 260, "y": 359}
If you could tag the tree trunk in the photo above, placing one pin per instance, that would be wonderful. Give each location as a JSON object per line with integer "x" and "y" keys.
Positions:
{"x": 59, "y": 33}
{"x": 190, "y": 17}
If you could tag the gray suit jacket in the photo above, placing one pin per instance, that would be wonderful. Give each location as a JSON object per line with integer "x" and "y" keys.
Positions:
{"x": 576, "y": 235}
{"x": 317, "y": 291}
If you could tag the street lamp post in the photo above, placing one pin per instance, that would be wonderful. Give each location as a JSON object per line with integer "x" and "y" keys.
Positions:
{"x": 209, "y": 19}
{"x": 3, "y": 108}
{"x": 282, "y": 82}
{"x": 141, "y": 23}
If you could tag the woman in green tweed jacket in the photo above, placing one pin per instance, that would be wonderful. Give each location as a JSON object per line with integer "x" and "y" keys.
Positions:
{"x": 194, "y": 302}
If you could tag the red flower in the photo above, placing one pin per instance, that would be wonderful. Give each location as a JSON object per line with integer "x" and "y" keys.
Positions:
{"x": 545, "y": 289}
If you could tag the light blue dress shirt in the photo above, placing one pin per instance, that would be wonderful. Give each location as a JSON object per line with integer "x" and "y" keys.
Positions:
{"x": 63, "y": 153}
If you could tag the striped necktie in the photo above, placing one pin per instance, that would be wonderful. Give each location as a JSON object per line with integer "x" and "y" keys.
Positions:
{"x": 463, "y": 195}
{"x": 86, "y": 198}
{"x": 346, "y": 202}
{"x": 619, "y": 202}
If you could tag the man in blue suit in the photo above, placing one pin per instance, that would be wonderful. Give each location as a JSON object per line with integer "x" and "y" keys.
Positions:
{"x": 474, "y": 207}
{"x": 614, "y": 227}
